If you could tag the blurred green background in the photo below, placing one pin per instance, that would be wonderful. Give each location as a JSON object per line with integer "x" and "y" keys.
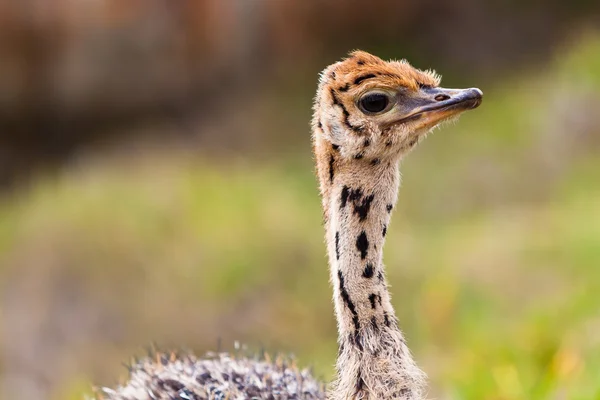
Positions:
{"x": 156, "y": 185}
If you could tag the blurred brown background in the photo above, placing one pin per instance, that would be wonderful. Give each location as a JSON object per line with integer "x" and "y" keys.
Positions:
{"x": 75, "y": 74}
{"x": 155, "y": 184}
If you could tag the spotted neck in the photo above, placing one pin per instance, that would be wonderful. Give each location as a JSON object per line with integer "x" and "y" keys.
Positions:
{"x": 358, "y": 198}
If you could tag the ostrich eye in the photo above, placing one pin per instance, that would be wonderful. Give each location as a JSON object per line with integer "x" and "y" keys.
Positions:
{"x": 373, "y": 103}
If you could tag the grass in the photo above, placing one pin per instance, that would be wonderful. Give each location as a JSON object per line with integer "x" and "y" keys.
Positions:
{"x": 493, "y": 254}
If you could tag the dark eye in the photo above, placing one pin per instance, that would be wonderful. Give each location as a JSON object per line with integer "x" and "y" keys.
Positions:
{"x": 374, "y": 102}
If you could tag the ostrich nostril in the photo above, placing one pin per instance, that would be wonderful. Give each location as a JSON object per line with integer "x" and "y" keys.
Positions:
{"x": 441, "y": 97}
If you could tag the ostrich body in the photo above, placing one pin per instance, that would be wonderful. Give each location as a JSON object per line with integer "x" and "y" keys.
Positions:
{"x": 368, "y": 114}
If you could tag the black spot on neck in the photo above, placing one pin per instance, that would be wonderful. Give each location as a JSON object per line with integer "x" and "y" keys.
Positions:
{"x": 359, "y": 156}
{"x": 331, "y": 171}
{"x": 362, "y": 208}
{"x": 380, "y": 276}
{"x": 348, "y": 301}
{"x": 384, "y": 230}
{"x": 344, "y": 88}
{"x": 389, "y": 207}
{"x": 335, "y": 147}
{"x": 362, "y": 244}
{"x": 320, "y": 125}
{"x": 332, "y": 75}
{"x": 363, "y": 77}
{"x": 375, "y": 161}
{"x": 373, "y": 300}
{"x": 362, "y": 204}
{"x": 368, "y": 272}
{"x": 344, "y": 196}
{"x": 337, "y": 245}
{"x": 388, "y": 143}
{"x": 355, "y": 195}
{"x": 366, "y": 143}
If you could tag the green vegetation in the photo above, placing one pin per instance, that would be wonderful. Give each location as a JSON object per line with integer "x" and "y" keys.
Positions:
{"x": 493, "y": 254}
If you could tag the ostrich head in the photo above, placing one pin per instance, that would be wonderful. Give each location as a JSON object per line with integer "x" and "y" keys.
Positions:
{"x": 371, "y": 109}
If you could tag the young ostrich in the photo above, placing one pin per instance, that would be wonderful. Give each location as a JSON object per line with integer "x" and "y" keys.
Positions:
{"x": 368, "y": 114}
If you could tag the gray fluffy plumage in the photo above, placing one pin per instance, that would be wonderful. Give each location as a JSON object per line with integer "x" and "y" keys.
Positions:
{"x": 218, "y": 376}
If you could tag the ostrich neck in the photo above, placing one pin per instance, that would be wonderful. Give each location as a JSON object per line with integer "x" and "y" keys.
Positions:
{"x": 373, "y": 360}
{"x": 359, "y": 206}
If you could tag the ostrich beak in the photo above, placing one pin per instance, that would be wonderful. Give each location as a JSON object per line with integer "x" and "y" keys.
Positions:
{"x": 433, "y": 105}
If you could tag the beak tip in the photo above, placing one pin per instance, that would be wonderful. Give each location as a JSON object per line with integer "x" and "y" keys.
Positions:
{"x": 477, "y": 96}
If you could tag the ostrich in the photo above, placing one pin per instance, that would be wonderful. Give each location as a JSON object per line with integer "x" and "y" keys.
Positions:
{"x": 368, "y": 114}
